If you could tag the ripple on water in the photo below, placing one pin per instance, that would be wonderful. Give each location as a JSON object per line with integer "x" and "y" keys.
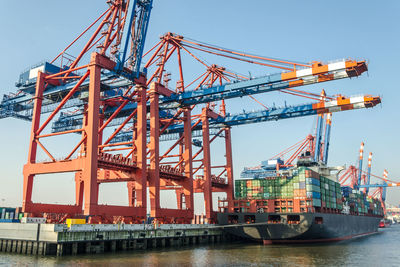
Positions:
{"x": 376, "y": 250}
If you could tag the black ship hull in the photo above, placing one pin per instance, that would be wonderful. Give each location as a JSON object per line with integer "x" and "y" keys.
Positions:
{"x": 298, "y": 227}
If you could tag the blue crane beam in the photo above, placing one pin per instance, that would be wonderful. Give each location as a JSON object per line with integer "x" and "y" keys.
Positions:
{"x": 379, "y": 185}
{"x": 268, "y": 83}
{"x": 279, "y": 114}
{"x": 384, "y": 187}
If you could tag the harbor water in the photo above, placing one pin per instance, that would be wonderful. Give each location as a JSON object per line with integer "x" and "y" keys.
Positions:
{"x": 381, "y": 249}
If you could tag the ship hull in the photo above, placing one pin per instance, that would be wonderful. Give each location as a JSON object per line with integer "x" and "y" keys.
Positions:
{"x": 298, "y": 227}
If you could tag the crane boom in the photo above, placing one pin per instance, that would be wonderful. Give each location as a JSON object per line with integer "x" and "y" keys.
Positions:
{"x": 380, "y": 185}
{"x": 340, "y": 104}
{"x": 279, "y": 81}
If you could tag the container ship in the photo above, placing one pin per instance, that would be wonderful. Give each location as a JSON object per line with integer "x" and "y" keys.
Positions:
{"x": 304, "y": 203}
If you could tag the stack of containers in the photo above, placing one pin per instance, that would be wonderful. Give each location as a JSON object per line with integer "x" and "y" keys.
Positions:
{"x": 355, "y": 205}
{"x": 374, "y": 206}
{"x": 331, "y": 194}
{"x": 369, "y": 204}
{"x": 277, "y": 188}
{"x": 352, "y": 201}
{"x": 307, "y": 184}
{"x": 378, "y": 210}
{"x": 299, "y": 184}
{"x": 360, "y": 203}
{"x": 286, "y": 187}
{"x": 304, "y": 184}
{"x": 332, "y": 187}
{"x": 313, "y": 187}
{"x": 269, "y": 185}
{"x": 361, "y": 208}
{"x": 254, "y": 189}
{"x": 339, "y": 196}
{"x": 240, "y": 189}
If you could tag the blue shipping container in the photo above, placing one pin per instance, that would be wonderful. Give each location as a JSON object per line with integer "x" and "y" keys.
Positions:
{"x": 316, "y": 195}
{"x": 313, "y": 181}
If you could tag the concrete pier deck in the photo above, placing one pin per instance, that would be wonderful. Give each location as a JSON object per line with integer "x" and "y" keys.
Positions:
{"x": 58, "y": 239}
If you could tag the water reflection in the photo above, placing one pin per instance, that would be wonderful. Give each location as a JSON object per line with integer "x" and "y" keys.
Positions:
{"x": 377, "y": 250}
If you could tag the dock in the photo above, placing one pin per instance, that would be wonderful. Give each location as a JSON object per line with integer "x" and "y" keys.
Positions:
{"x": 61, "y": 240}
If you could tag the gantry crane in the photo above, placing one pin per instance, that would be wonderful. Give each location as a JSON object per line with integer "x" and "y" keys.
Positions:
{"x": 359, "y": 179}
{"x": 111, "y": 90}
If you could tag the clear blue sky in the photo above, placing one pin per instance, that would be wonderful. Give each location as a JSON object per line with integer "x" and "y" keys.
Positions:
{"x": 295, "y": 30}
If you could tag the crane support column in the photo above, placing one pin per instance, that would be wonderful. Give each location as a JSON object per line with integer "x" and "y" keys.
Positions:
{"x": 318, "y": 138}
{"x": 179, "y": 198}
{"x": 229, "y": 168}
{"x": 385, "y": 175}
{"x": 207, "y": 165}
{"x": 141, "y": 148}
{"x": 327, "y": 137}
{"x": 369, "y": 172}
{"x": 79, "y": 190}
{"x": 383, "y": 191}
{"x": 188, "y": 163}
{"x": 154, "y": 175}
{"x": 360, "y": 164}
{"x": 89, "y": 172}
{"x": 28, "y": 177}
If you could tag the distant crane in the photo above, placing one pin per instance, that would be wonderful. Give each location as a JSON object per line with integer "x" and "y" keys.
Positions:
{"x": 354, "y": 175}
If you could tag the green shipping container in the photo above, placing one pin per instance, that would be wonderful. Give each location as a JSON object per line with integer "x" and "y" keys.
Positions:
{"x": 316, "y": 202}
{"x": 313, "y": 188}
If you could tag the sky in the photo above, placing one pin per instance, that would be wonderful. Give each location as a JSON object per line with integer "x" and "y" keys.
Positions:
{"x": 304, "y": 31}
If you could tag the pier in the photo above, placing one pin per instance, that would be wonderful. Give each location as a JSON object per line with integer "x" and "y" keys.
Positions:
{"x": 61, "y": 240}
